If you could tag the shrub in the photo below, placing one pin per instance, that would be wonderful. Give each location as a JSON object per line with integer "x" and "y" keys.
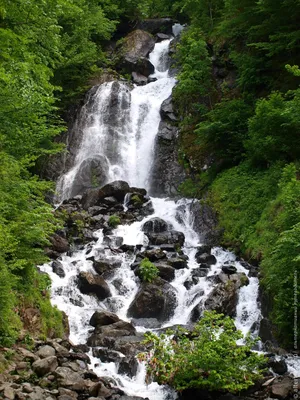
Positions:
{"x": 148, "y": 271}
{"x": 114, "y": 221}
{"x": 207, "y": 358}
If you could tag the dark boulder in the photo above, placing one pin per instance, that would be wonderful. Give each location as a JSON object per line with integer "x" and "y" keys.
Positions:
{"x": 94, "y": 197}
{"x": 155, "y": 225}
{"x": 133, "y": 53}
{"x": 59, "y": 244}
{"x": 161, "y": 36}
{"x": 229, "y": 269}
{"x": 169, "y": 237}
{"x": 166, "y": 272}
{"x": 167, "y": 111}
{"x": 177, "y": 263}
{"x": 139, "y": 79}
{"x": 93, "y": 284}
{"x": 101, "y": 318}
{"x": 153, "y": 300}
{"x": 206, "y": 258}
{"x": 106, "y": 267}
{"x": 154, "y": 254}
{"x": 58, "y": 269}
{"x": 278, "y": 366}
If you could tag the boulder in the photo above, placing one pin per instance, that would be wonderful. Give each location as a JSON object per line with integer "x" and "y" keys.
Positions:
{"x": 58, "y": 269}
{"x": 106, "y": 267}
{"x": 206, "y": 258}
{"x": 106, "y": 335}
{"x": 154, "y": 254}
{"x": 93, "y": 284}
{"x": 134, "y": 51}
{"x": 139, "y": 79}
{"x": 169, "y": 237}
{"x": 101, "y": 318}
{"x": 155, "y": 225}
{"x": 59, "y": 244}
{"x": 282, "y": 388}
{"x": 166, "y": 272}
{"x": 153, "y": 300}
{"x": 166, "y": 110}
{"x": 161, "y": 36}
{"x": 229, "y": 269}
{"x": 44, "y": 366}
{"x": 45, "y": 351}
{"x": 177, "y": 263}
{"x": 278, "y": 366}
{"x": 94, "y": 197}
{"x": 224, "y": 296}
{"x": 70, "y": 379}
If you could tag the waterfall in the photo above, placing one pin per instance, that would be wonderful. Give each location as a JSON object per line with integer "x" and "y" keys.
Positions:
{"x": 119, "y": 129}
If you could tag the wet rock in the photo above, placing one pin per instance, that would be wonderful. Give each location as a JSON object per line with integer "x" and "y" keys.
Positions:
{"x": 266, "y": 330}
{"x": 153, "y": 300}
{"x": 45, "y": 351}
{"x": 205, "y": 223}
{"x": 154, "y": 255}
{"x": 161, "y": 36}
{"x": 139, "y": 79}
{"x": 203, "y": 249}
{"x": 169, "y": 237}
{"x": 224, "y": 296}
{"x": 58, "y": 269}
{"x": 94, "y": 197}
{"x": 106, "y": 268}
{"x": 177, "y": 263}
{"x": 229, "y": 269}
{"x": 107, "y": 355}
{"x": 134, "y": 51}
{"x": 101, "y": 318}
{"x": 278, "y": 366}
{"x": 59, "y": 244}
{"x": 106, "y": 335}
{"x": 93, "y": 284}
{"x": 44, "y": 366}
{"x": 166, "y": 110}
{"x": 155, "y": 225}
{"x": 157, "y": 25}
{"x": 151, "y": 323}
{"x": 166, "y": 272}
{"x": 206, "y": 258}
{"x": 166, "y": 173}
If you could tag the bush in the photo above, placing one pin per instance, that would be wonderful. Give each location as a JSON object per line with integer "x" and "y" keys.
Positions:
{"x": 114, "y": 221}
{"x": 207, "y": 358}
{"x": 148, "y": 271}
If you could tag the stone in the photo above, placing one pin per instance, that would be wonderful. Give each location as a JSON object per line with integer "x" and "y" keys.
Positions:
{"x": 167, "y": 174}
{"x": 154, "y": 255}
{"x": 44, "y": 366}
{"x": 161, "y": 36}
{"x": 278, "y": 366}
{"x": 45, "y": 351}
{"x": 105, "y": 267}
{"x": 58, "y": 268}
{"x": 133, "y": 53}
{"x": 166, "y": 110}
{"x": 169, "y": 237}
{"x": 229, "y": 269}
{"x": 177, "y": 263}
{"x": 155, "y": 225}
{"x": 93, "y": 284}
{"x": 281, "y": 389}
{"x": 59, "y": 244}
{"x": 206, "y": 259}
{"x": 9, "y": 392}
{"x": 153, "y": 300}
{"x": 166, "y": 272}
{"x": 139, "y": 79}
{"x": 70, "y": 379}
{"x": 93, "y": 197}
{"x": 101, "y": 318}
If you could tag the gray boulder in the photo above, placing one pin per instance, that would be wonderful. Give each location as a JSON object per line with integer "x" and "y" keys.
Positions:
{"x": 101, "y": 318}
{"x": 93, "y": 284}
{"x": 153, "y": 300}
{"x": 169, "y": 237}
{"x": 155, "y": 225}
{"x": 44, "y": 366}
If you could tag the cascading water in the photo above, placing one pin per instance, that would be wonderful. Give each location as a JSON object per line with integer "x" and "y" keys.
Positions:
{"x": 126, "y": 150}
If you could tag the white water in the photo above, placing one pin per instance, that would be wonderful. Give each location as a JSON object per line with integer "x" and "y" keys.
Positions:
{"x": 133, "y": 141}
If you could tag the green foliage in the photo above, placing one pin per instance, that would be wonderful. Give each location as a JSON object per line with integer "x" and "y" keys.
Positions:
{"x": 206, "y": 358}
{"x": 148, "y": 271}
{"x": 191, "y": 94}
{"x": 114, "y": 221}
